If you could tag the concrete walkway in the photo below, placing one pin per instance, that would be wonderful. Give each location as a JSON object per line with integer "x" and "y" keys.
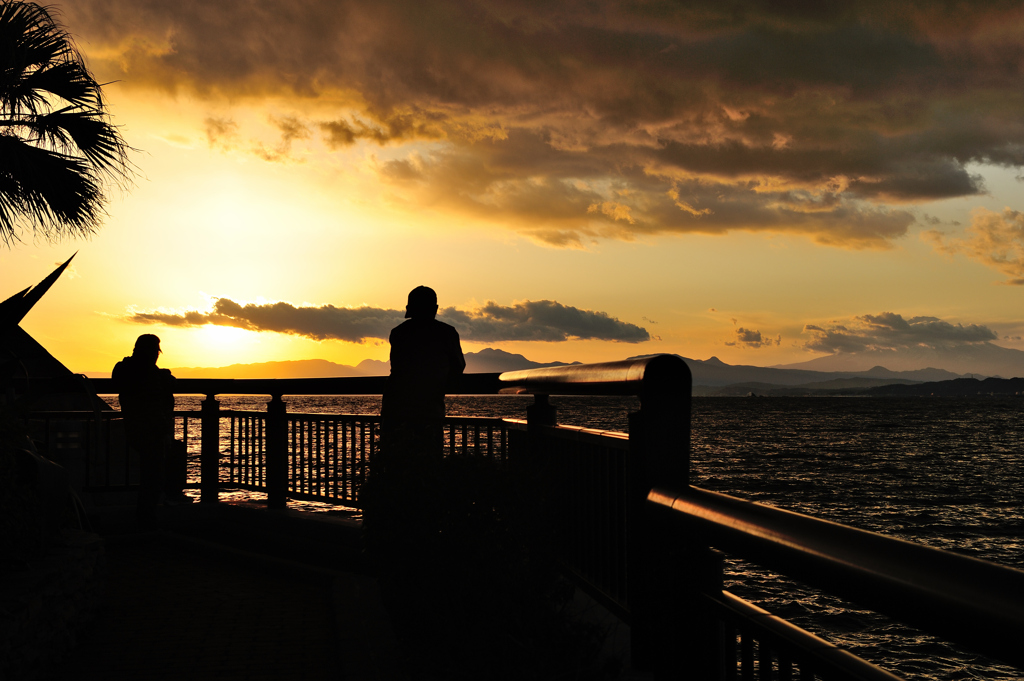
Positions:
{"x": 184, "y": 607}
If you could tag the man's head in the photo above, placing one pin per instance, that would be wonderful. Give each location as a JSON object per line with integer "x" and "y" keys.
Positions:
{"x": 422, "y": 303}
{"x": 147, "y": 346}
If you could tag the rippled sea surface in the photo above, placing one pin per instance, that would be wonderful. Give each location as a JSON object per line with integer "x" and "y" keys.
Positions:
{"x": 942, "y": 472}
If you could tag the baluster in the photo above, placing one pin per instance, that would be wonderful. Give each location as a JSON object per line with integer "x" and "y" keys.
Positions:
{"x": 321, "y": 460}
{"x": 764, "y": 654}
{"x": 729, "y": 651}
{"x": 334, "y": 460}
{"x": 244, "y": 462}
{"x": 308, "y": 455}
{"x": 233, "y": 453}
{"x": 245, "y": 450}
{"x": 299, "y": 454}
{"x": 346, "y": 461}
{"x": 311, "y": 456}
{"x": 746, "y": 656}
{"x": 295, "y": 460}
{"x": 261, "y": 451}
{"x": 239, "y": 448}
{"x": 785, "y": 668}
{"x": 252, "y": 461}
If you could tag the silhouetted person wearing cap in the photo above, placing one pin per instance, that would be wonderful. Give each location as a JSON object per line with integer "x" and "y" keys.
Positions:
{"x": 426, "y": 358}
{"x": 146, "y": 394}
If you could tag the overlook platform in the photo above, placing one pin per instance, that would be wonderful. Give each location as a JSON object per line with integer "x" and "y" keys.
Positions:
{"x": 234, "y": 592}
{"x": 615, "y": 516}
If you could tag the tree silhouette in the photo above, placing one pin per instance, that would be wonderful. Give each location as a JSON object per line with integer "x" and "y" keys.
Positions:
{"x": 58, "y": 146}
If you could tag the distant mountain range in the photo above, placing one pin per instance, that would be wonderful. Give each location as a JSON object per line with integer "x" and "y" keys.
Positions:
{"x": 714, "y": 372}
{"x": 710, "y": 376}
{"x": 960, "y": 387}
{"x": 486, "y": 361}
{"x": 976, "y": 359}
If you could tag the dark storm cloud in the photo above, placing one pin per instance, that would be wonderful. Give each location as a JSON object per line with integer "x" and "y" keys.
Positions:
{"x": 615, "y": 118}
{"x": 395, "y": 128}
{"x": 890, "y": 331}
{"x": 541, "y": 320}
{"x": 750, "y": 338}
{"x": 354, "y": 325}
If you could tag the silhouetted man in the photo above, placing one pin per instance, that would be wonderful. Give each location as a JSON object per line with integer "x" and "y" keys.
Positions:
{"x": 426, "y": 357}
{"x": 146, "y": 394}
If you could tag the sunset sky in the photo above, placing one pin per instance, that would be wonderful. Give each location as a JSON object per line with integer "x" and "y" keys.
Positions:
{"x": 764, "y": 182}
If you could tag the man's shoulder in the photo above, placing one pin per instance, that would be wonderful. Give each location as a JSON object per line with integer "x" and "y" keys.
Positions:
{"x": 130, "y": 370}
{"x": 445, "y": 328}
{"x": 424, "y": 327}
{"x": 123, "y": 367}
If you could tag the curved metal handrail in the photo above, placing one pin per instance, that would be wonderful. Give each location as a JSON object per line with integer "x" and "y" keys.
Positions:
{"x": 964, "y": 599}
{"x": 647, "y": 375}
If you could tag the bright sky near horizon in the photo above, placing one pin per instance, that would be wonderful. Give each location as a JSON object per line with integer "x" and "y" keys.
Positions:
{"x": 579, "y": 181}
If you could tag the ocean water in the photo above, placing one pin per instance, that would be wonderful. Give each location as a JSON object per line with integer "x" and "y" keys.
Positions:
{"x": 942, "y": 472}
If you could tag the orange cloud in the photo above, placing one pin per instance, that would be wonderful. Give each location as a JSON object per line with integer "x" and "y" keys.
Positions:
{"x": 668, "y": 117}
{"x": 995, "y": 240}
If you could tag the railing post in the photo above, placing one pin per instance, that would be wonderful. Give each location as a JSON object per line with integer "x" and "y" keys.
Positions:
{"x": 657, "y": 573}
{"x": 277, "y": 453}
{"x": 538, "y": 414}
{"x": 209, "y": 451}
{"x": 541, "y": 412}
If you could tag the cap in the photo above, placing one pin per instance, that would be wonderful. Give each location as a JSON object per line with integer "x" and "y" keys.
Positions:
{"x": 147, "y": 341}
{"x": 421, "y": 298}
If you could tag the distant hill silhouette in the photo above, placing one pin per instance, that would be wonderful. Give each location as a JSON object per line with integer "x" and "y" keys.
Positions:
{"x": 488, "y": 360}
{"x": 713, "y": 372}
{"x": 983, "y": 359}
{"x": 710, "y": 376}
{"x": 960, "y": 387}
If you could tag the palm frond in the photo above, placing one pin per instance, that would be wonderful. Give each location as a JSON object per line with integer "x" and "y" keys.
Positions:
{"x": 55, "y": 195}
{"x": 69, "y": 81}
{"x": 57, "y": 143}
{"x": 71, "y": 130}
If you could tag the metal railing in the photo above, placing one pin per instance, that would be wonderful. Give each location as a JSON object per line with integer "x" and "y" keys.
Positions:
{"x": 93, "y": 447}
{"x": 973, "y": 602}
{"x": 635, "y": 534}
{"x": 328, "y": 455}
{"x": 588, "y": 472}
{"x": 683, "y": 622}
